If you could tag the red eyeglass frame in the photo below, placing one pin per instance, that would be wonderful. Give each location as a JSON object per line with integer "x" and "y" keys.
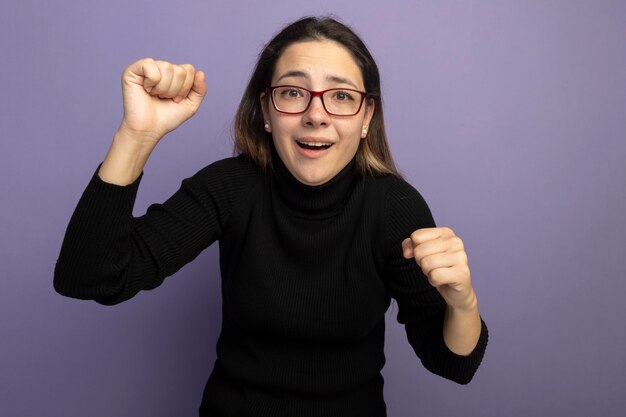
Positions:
{"x": 320, "y": 94}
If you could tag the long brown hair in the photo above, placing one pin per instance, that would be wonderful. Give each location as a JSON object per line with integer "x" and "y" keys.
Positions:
{"x": 373, "y": 156}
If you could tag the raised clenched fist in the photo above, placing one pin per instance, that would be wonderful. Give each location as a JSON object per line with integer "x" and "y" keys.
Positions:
{"x": 158, "y": 97}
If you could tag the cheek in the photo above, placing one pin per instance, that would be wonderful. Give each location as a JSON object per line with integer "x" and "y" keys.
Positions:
{"x": 351, "y": 131}
{"x": 282, "y": 127}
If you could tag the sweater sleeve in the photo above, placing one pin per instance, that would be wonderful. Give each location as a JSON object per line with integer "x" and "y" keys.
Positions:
{"x": 109, "y": 256}
{"x": 420, "y": 306}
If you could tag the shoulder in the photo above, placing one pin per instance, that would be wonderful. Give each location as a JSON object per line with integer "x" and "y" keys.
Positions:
{"x": 229, "y": 172}
{"x": 229, "y": 169}
{"x": 397, "y": 195}
{"x": 225, "y": 181}
{"x": 403, "y": 196}
{"x": 403, "y": 208}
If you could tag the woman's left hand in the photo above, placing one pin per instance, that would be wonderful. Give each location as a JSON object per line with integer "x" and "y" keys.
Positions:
{"x": 440, "y": 254}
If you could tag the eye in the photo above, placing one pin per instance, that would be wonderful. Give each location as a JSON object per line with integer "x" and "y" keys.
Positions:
{"x": 343, "y": 95}
{"x": 290, "y": 92}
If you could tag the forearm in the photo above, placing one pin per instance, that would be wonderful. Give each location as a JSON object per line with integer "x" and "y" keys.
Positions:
{"x": 125, "y": 159}
{"x": 94, "y": 254}
{"x": 461, "y": 328}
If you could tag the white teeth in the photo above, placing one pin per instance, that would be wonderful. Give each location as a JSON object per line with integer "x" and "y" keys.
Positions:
{"x": 316, "y": 144}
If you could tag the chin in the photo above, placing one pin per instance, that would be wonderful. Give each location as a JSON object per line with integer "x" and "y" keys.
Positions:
{"x": 312, "y": 178}
{"x": 311, "y": 181}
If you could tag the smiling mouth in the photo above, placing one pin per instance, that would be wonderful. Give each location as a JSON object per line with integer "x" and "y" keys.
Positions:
{"x": 315, "y": 146}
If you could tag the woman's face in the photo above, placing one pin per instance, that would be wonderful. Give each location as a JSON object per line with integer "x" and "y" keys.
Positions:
{"x": 316, "y": 66}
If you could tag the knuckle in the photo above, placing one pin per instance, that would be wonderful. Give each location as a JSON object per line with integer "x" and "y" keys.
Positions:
{"x": 464, "y": 259}
{"x": 434, "y": 278}
{"x": 164, "y": 67}
{"x": 179, "y": 70}
{"x": 461, "y": 270}
{"x": 425, "y": 264}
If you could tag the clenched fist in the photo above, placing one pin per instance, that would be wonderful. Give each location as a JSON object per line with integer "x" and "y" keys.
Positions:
{"x": 158, "y": 97}
{"x": 441, "y": 256}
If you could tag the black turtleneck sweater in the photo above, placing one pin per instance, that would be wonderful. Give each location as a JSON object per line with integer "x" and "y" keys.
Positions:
{"x": 307, "y": 276}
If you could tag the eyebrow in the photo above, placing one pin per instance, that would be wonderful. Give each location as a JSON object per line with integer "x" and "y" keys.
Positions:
{"x": 331, "y": 78}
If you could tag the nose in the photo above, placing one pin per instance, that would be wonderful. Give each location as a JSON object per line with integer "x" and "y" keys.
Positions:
{"x": 315, "y": 115}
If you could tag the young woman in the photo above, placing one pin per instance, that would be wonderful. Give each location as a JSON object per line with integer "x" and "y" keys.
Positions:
{"x": 317, "y": 232}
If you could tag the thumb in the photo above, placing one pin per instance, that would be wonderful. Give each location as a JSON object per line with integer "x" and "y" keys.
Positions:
{"x": 143, "y": 72}
{"x": 407, "y": 248}
{"x": 198, "y": 90}
{"x": 149, "y": 70}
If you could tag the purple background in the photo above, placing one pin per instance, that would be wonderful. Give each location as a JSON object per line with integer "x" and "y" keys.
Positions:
{"x": 509, "y": 117}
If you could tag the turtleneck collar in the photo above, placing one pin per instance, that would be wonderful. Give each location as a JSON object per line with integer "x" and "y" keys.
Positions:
{"x": 314, "y": 201}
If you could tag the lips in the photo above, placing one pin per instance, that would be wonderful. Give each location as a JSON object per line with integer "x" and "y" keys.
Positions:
{"x": 313, "y": 145}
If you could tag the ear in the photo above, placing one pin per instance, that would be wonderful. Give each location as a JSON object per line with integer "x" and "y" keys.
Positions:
{"x": 369, "y": 113}
{"x": 266, "y": 113}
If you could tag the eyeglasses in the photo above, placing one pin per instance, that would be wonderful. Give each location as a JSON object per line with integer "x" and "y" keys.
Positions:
{"x": 291, "y": 99}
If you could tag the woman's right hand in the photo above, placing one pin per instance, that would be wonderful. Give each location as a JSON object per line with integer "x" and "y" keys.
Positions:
{"x": 159, "y": 97}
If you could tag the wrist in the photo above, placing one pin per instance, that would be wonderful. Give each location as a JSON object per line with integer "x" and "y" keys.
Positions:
{"x": 136, "y": 141}
{"x": 125, "y": 159}
{"x": 462, "y": 328}
{"x": 468, "y": 306}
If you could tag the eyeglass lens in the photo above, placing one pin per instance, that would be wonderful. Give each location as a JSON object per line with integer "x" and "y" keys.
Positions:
{"x": 341, "y": 102}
